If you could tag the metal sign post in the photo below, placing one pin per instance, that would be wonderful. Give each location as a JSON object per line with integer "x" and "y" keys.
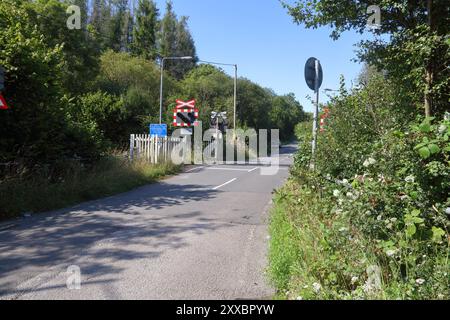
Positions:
{"x": 314, "y": 78}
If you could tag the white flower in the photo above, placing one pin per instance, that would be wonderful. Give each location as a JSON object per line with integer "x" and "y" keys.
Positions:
{"x": 316, "y": 287}
{"x": 390, "y": 253}
{"x": 345, "y": 181}
{"x": 447, "y": 211}
{"x": 442, "y": 128}
{"x": 354, "y": 279}
{"x": 343, "y": 229}
{"x": 420, "y": 281}
{"x": 369, "y": 162}
{"x": 299, "y": 298}
{"x": 410, "y": 179}
{"x": 336, "y": 193}
{"x": 352, "y": 196}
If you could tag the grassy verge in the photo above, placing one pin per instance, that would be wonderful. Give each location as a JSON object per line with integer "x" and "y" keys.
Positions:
{"x": 317, "y": 252}
{"x": 112, "y": 175}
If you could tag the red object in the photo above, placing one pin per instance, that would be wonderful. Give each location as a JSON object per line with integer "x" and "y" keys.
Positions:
{"x": 185, "y": 104}
{"x": 3, "y": 104}
{"x": 184, "y": 107}
{"x": 322, "y": 119}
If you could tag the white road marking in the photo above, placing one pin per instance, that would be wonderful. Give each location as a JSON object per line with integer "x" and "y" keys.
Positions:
{"x": 190, "y": 170}
{"x": 222, "y": 185}
{"x": 226, "y": 169}
{"x": 251, "y": 170}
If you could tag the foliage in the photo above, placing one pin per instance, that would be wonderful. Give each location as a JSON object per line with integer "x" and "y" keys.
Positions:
{"x": 144, "y": 32}
{"x": 370, "y": 221}
{"x": 79, "y": 48}
{"x": 175, "y": 40}
{"x": 75, "y": 183}
{"x": 417, "y": 53}
{"x": 34, "y": 128}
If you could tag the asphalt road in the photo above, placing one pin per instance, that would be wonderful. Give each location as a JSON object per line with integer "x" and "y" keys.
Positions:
{"x": 199, "y": 235}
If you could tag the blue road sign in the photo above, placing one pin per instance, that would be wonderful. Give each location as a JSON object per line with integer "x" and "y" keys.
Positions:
{"x": 159, "y": 130}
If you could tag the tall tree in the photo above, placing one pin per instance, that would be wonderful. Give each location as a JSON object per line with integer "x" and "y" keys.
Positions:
{"x": 101, "y": 22}
{"x": 175, "y": 40}
{"x": 118, "y": 27}
{"x": 184, "y": 46}
{"x": 416, "y": 54}
{"x": 145, "y": 30}
{"x": 168, "y": 36}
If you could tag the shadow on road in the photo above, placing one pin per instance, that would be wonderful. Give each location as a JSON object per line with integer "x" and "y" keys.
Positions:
{"x": 126, "y": 224}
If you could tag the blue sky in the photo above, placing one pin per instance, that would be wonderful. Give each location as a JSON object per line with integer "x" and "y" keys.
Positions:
{"x": 269, "y": 48}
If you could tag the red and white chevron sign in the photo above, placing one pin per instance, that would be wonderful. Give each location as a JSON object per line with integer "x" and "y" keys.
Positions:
{"x": 185, "y": 104}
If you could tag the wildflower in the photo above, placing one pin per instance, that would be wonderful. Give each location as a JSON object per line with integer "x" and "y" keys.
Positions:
{"x": 391, "y": 253}
{"x": 352, "y": 196}
{"x": 299, "y": 298}
{"x": 447, "y": 211}
{"x": 336, "y": 193}
{"x": 410, "y": 179}
{"x": 369, "y": 162}
{"x": 343, "y": 229}
{"x": 420, "y": 281}
{"x": 316, "y": 287}
{"x": 354, "y": 279}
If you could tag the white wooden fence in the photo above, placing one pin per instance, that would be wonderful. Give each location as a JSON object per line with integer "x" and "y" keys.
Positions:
{"x": 151, "y": 148}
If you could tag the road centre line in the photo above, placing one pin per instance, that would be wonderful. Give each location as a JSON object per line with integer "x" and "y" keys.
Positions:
{"x": 190, "y": 170}
{"x": 227, "y": 169}
{"x": 251, "y": 170}
{"x": 222, "y": 185}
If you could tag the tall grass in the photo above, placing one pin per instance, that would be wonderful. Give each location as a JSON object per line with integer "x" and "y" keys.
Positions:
{"x": 39, "y": 192}
{"x": 317, "y": 253}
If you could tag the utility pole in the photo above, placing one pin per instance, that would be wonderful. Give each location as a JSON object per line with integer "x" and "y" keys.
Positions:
{"x": 235, "y": 100}
{"x": 316, "y": 111}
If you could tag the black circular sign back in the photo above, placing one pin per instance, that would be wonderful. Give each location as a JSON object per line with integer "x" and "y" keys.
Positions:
{"x": 310, "y": 73}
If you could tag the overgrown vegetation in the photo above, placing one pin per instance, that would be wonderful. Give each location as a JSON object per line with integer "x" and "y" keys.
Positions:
{"x": 372, "y": 220}
{"x": 74, "y": 183}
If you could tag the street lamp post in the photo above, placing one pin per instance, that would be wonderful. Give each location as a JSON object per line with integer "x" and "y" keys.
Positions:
{"x": 162, "y": 81}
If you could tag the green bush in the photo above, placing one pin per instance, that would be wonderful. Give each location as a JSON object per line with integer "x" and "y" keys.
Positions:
{"x": 370, "y": 222}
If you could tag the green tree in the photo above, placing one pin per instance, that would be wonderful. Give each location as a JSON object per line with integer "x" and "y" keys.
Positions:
{"x": 119, "y": 25}
{"x": 36, "y": 128}
{"x": 79, "y": 47}
{"x": 185, "y": 46}
{"x": 167, "y": 36}
{"x": 145, "y": 30}
{"x": 212, "y": 89}
{"x": 417, "y": 52}
{"x": 100, "y": 21}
